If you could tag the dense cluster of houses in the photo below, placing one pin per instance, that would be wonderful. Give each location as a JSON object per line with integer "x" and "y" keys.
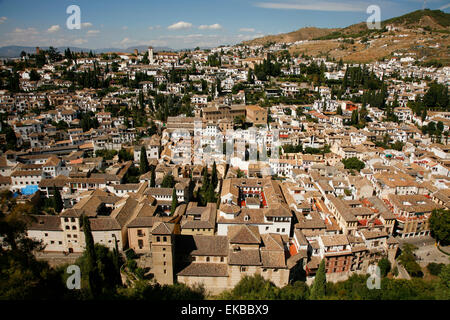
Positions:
{"x": 277, "y": 213}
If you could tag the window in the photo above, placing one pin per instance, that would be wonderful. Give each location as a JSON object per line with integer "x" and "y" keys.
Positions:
{"x": 67, "y": 228}
{"x": 75, "y": 236}
{"x": 243, "y": 269}
{"x": 158, "y": 239}
{"x": 207, "y": 259}
{"x": 164, "y": 239}
{"x": 74, "y": 227}
{"x": 52, "y": 242}
{"x": 222, "y": 259}
{"x": 69, "y": 236}
{"x": 46, "y": 234}
{"x": 164, "y": 249}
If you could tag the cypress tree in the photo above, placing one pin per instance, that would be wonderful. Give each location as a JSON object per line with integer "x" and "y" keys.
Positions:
{"x": 58, "y": 204}
{"x": 210, "y": 195}
{"x": 320, "y": 281}
{"x": 93, "y": 275}
{"x": 143, "y": 165}
{"x": 214, "y": 179}
{"x": 174, "y": 201}
{"x": 153, "y": 178}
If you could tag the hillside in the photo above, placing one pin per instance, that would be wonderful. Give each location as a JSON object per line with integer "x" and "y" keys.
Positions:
{"x": 429, "y": 19}
{"x": 423, "y": 32}
{"x": 435, "y": 19}
{"x": 300, "y": 34}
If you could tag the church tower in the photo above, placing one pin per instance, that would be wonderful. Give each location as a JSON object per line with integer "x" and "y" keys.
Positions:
{"x": 162, "y": 248}
{"x": 150, "y": 55}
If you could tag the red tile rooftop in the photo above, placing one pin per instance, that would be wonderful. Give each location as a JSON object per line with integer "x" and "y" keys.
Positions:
{"x": 378, "y": 222}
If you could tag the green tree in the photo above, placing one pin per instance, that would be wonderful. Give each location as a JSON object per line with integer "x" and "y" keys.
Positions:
{"x": 353, "y": 163}
{"x": 318, "y": 289}
{"x": 125, "y": 155}
{"x": 143, "y": 163}
{"x": 440, "y": 226}
{"x": 94, "y": 286}
{"x": 408, "y": 260}
{"x": 252, "y": 288}
{"x": 385, "y": 266}
{"x": 355, "y": 117}
{"x": 174, "y": 201}
{"x": 168, "y": 181}
{"x": 22, "y": 277}
{"x": 58, "y": 204}
{"x": 142, "y": 290}
{"x": 297, "y": 291}
{"x": 214, "y": 178}
{"x": 435, "y": 268}
{"x": 443, "y": 285}
{"x": 153, "y": 177}
{"x": 34, "y": 76}
{"x": 210, "y": 194}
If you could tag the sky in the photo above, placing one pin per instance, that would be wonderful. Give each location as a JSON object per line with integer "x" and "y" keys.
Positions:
{"x": 180, "y": 24}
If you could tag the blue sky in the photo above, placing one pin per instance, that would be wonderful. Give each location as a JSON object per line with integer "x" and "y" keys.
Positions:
{"x": 181, "y": 23}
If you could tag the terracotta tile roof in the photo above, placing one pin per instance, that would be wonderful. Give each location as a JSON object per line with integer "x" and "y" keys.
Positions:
{"x": 205, "y": 270}
{"x": 45, "y": 223}
{"x": 245, "y": 257}
{"x": 210, "y": 246}
{"x": 243, "y": 234}
{"x": 163, "y": 228}
{"x": 104, "y": 224}
{"x": 334, "y": 240}
{"x": 273, "y": 259}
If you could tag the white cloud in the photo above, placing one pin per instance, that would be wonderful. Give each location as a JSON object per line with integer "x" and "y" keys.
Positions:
{"x": 79, "y": 41}
{"x": 180, "y": 25}
{"x": 316, "y": 6}
{"x": 3, "y": 19}
{"x": 86, "y": 24}
{"x": 93, "y": 32}
{"x": 247, "y": 29}
{"x": 445, "y": 6}
{"x": 25, "y": 31}
{"x": 54, "y": 28}
{"x": 214, "y": 26}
